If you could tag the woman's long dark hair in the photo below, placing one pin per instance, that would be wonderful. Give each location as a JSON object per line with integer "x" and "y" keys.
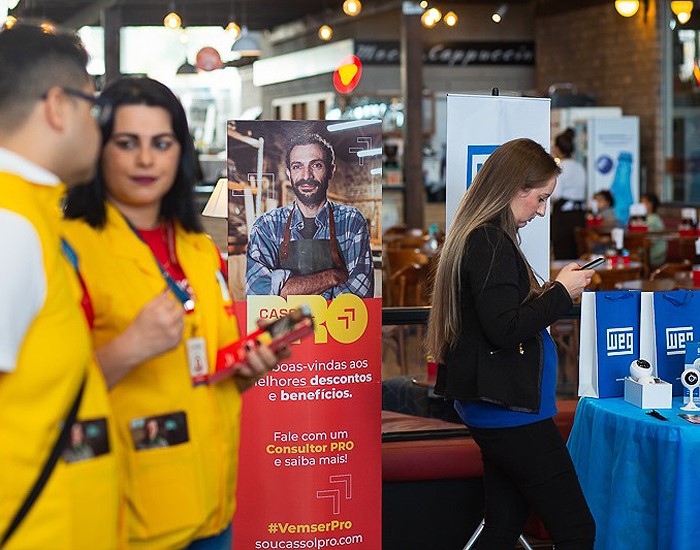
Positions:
{"x": 87, "y": 202}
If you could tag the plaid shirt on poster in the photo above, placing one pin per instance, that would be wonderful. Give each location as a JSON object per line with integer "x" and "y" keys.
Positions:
{"x": 263, "y": 276}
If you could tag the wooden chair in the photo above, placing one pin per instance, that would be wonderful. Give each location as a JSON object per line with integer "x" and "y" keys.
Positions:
{"x": 565, "y": 333}
{"x": 587, "y": 240}
{"x": 669, "y": 269}
{"x": 407, "y": 241}
{"x": 680, "y": 249}
{"x": 408, "y": 286}
{"x": 396, "y": 258}
{"x": 639, "y": 245}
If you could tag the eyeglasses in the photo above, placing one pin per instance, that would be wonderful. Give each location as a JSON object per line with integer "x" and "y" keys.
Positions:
{"x": 101, "y": 109}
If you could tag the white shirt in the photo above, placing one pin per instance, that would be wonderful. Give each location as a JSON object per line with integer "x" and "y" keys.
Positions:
{"x": 571, "y": 183}
{"x": 22, "y": 276}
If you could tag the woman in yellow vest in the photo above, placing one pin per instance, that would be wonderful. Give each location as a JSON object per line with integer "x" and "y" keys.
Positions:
{"x": 163, "y": 319}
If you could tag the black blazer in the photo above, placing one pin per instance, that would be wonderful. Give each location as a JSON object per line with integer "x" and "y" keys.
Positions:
{"x": 498, "y": 356}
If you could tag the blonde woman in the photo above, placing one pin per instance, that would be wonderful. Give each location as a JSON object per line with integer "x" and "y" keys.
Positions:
{"x": 487, "y": 330}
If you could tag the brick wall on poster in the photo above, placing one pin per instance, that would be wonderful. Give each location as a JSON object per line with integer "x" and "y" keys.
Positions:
{"x": 616, "y": 59}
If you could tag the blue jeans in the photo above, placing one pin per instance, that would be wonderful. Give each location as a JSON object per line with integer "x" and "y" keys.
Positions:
{"x": 222, "y": 541}
{"x": 529, "y": 467}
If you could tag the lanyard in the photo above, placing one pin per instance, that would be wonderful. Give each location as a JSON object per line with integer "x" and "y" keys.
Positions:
{"x": 181, "y": 294}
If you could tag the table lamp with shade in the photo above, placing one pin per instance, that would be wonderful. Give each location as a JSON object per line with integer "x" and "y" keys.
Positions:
{"x": 217, "y": 205}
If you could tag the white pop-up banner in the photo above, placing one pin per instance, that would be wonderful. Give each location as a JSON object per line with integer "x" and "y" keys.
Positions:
{"x": 476, "y": 125}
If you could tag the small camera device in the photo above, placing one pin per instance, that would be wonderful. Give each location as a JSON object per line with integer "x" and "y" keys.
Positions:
{"x": 644, "y": 389}
{"x": 690, "y": 378}
{"x": 641, "y": 372}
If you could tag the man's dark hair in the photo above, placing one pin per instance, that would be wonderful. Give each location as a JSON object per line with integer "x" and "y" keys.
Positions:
{"x": 34, "y": 59}
{"x": 87, "y": 202}
{"x": 312, "y": 139}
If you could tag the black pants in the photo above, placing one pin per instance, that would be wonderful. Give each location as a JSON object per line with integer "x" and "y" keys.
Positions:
{"x": 525, "y": 468}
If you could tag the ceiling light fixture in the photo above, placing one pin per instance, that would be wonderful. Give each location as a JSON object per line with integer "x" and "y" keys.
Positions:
{"x": 627, "y": 8}
{"x": 233, "y": 29}
{"x": 682, "y": 9}
{"x": 352, "y": 7}
{"x": 325, "y": 32}
{"x": 187, "y": 68}
{"x": 247, "y": 45}
{"x": 172, "y": 20}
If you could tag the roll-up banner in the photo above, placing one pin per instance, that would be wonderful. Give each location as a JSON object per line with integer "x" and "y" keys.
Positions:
{"x": 476, "y": 125}
{"x": 304, "y": 220}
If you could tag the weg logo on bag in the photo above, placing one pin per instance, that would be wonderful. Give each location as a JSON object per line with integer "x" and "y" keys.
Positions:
{"x": 676, "y": 337}
{"x": 620, "y": 341}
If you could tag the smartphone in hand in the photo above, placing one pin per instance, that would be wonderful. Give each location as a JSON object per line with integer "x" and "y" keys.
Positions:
{"x": 278, "y": 334}
{"x": 592, "y": 264}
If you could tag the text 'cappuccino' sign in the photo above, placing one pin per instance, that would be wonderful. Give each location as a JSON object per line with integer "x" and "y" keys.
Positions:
{"x": 451, "y": 53}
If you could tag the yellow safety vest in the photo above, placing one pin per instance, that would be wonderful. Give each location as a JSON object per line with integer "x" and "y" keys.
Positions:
{"x": 186, "y": 491}
{"x": 79, "y": 506}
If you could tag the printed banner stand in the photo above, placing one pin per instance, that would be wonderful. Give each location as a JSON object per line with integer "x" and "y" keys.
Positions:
{"x": 304, "y": 211}
{"x": 476, "y": 125}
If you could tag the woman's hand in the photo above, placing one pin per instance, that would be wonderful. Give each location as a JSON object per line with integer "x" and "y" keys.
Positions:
{"x": 259, "y": 361}
{"x": 159, "y": 325}
{"x": 574, "y": 279}
{"x": 157, "y": 328}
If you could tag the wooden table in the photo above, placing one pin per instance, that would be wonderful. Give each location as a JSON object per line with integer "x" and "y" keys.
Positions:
{"x": 683, "y": 279}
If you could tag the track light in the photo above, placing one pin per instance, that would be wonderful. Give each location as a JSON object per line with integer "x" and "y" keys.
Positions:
{"x": 325, "y": 32}
{"x": 431, "y": 17}
{"x": 352, "y": 7}
{"x": 172, "y": 20}
{"x": 10, "y": 21}
{"x": 682, "y": 9}
{"x": 498, "y": 15}
{"x": 450, "y": 19}
{"x": 627, "y": 8}
{"x": 233, "y": 30}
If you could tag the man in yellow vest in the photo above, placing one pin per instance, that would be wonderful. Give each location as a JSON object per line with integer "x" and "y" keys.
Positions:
{"x": 49, "y": 383}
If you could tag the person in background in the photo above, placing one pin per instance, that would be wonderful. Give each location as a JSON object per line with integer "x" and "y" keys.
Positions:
{"x": 568, "y": 199}
{"x": 605, "y": 203}
{"x": 49, "y": 140}
{"x": 163, "y": 320}
{"x": 657, "y": 251}
{"x": 488, "y": 332}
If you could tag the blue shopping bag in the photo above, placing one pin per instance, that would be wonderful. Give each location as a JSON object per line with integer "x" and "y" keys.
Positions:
{"x": 609, "y": 341}
{"x": 676, "y": 320}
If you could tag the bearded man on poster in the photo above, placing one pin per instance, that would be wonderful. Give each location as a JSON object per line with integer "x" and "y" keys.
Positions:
{"x": 312, "y": 245}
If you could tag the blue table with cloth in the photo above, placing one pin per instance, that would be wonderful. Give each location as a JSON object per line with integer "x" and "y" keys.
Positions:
{"x": 640, "y": 475}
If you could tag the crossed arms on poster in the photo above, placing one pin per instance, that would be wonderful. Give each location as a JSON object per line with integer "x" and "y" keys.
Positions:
{"x": 310, "y": 266}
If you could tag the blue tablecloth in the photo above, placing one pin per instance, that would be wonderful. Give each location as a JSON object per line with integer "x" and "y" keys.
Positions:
{"x": 640, "y": 475}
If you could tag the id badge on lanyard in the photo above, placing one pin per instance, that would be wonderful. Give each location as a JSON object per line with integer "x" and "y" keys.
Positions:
{"x": 195, "y": 346}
